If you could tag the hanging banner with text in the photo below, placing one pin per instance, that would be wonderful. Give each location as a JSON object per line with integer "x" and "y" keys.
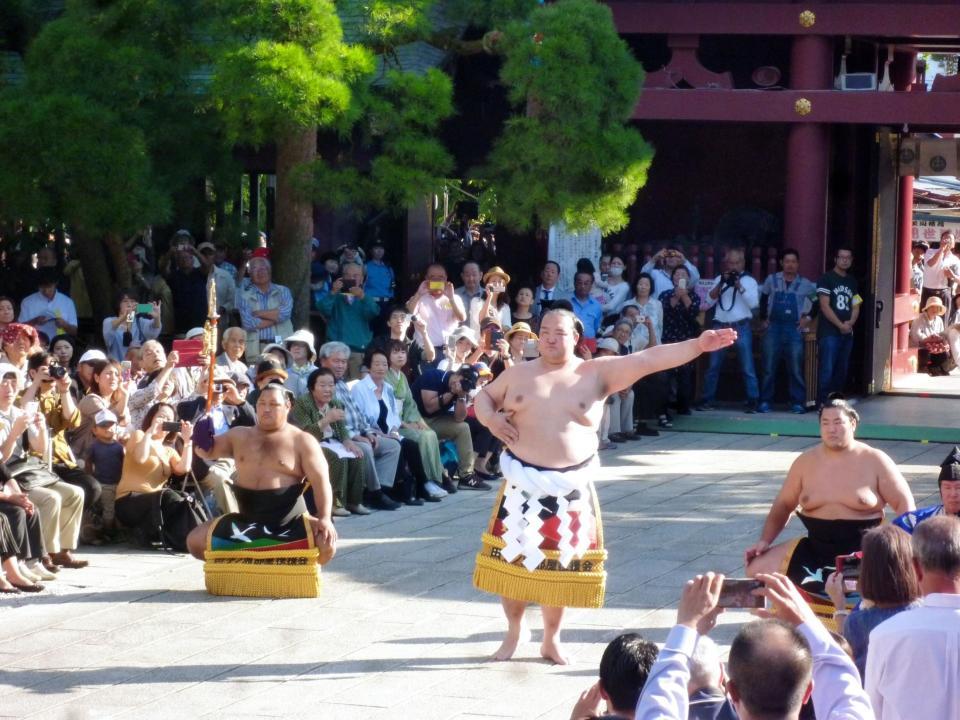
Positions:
{"x": 566, "y": 247}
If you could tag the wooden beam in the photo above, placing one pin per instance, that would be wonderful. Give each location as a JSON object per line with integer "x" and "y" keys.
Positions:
{"x": 894, "y": 19}
{"x": 826, "y": 106}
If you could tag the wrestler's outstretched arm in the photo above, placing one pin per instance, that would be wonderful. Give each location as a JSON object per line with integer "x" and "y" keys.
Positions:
{"x": 317, "y": 471}
{"x": 619, "y": 373}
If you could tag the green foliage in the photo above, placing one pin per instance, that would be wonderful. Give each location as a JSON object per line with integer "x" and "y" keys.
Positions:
{"x": 490, "y": 13}
{"x": 388, "y": 23}
{"x": 571, "y": 155}
{"x": 279, "y": 65}
{"x": 74, "y": 162}
{"x": 399, "y": 126}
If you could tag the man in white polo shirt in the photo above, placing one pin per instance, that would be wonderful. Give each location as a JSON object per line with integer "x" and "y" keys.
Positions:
{"x": 913, "y": 662}
{"x": 439, "y": 307}
{"x": 941, "y": 266}
{"x": 737, "y": 295}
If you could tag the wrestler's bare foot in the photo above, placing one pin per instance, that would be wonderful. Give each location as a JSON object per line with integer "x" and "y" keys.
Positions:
{"x": 510, "y": 643}
{"x": 551, "y": 650}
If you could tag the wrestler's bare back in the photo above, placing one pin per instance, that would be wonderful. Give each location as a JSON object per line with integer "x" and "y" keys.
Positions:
{"x": 556, "y": 410}
{"x": 856, "y": 483}
{"x": 266, "y": 460}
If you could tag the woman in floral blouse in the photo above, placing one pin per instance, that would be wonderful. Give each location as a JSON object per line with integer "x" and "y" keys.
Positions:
{"x": 681, "y": 306}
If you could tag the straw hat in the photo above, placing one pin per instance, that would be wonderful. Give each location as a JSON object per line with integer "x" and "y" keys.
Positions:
{"x": 521, "y": 327}
{"x": 937, "y": 303}
{"x": 496, "y": 270}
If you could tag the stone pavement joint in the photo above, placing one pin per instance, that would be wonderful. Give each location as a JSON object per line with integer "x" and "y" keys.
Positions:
{"x": 399, "y": 632}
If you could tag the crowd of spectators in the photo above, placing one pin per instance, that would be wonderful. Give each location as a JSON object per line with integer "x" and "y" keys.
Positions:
{"x": 388, "y": 388}
{"x": 896, "y": 658}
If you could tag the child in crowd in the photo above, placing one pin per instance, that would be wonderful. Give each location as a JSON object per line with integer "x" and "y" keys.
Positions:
{"x": 104, "y": 461}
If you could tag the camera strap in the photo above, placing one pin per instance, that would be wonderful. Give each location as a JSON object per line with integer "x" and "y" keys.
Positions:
{"x": 733, "y": 296}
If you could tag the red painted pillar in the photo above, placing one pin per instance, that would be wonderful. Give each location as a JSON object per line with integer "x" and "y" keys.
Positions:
{"x": 808, "y": 159}
{"x": 902, "y": 74}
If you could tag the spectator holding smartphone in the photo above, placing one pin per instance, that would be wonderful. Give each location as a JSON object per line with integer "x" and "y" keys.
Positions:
{"x": 440, "y": 309}
{"x": 349, "y": 311}
{"x": 148, "y": 464}
{"x": 132, "y": 326}
{"x": 887, "y": 584}
{"x": 776, "y": 664}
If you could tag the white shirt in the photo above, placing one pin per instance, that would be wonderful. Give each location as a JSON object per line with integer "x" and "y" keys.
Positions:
{"x": 934, "y": 277}
{"x": 60, "y": 307}
{"x": 732, "y": 308}
{"x": 437, "y": 313}
{"x": 913, "y": 662}
{"x": 476, "y": 305}
{"x": 613, "y": 296}
{"x": 837, "y": 694}
{"x": 662, "y": 281}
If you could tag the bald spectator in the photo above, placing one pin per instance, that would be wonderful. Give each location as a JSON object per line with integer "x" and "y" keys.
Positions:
{"x": 775, "y": 665}
{"x": 913, "y": 667}
{"x": 437, "y": 305}
{"x": 265, "y": 308}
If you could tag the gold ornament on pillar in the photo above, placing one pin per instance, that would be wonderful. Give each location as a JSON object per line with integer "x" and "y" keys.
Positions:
{"x": 803, "y": 107}
{"x": 807, "y": 19}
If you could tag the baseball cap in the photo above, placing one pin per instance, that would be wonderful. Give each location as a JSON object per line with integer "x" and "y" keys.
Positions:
{"x": 206, "y": 246}
{"x": 105, "y": 417}
{"x": 8, "y": 369}
{"x": 92, "y": 356}
{"x": 193, "y": 333}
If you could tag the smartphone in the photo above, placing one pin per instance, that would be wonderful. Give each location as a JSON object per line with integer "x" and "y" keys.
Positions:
{"x": 641, "y": 319}
{"x": 349, "y": 284}
{"x": 849, "y": 568}
{"x": 530, "y": 349}
{"x": 125, "y": 368}
{"x": 436, "y": 285}
{"x": 170, "y": 427}
{"x": 144, "y": 308}
{"x": 130, "y": 317}
{"x": 738, "y": 593}
{"x": 495, "y": 336}
{"x": 682, "y": 283}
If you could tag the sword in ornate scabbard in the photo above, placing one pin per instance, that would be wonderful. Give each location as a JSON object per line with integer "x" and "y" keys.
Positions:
{"x": 210, "y": 337}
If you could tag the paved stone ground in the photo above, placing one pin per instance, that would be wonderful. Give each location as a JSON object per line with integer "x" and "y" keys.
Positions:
{"x": 398, "y": 632}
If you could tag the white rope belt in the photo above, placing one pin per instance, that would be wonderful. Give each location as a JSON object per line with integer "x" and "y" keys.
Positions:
{"x": 527, "y": 485}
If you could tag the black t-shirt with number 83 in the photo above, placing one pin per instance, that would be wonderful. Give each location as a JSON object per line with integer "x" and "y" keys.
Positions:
{"x": 843, "y": 293}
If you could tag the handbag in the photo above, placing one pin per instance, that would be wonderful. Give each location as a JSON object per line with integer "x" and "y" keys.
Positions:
{"x": 175, "y": 521}
{"x": 30, "y": 473}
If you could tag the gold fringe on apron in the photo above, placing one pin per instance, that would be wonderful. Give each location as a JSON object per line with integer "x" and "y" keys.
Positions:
{"x": 263, "y": 572}
{"x": 581, "y": 584}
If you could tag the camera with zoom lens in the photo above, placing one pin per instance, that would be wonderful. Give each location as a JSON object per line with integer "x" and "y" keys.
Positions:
{"x": 730, "y": 279}
{"x": 57, "y": 372}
